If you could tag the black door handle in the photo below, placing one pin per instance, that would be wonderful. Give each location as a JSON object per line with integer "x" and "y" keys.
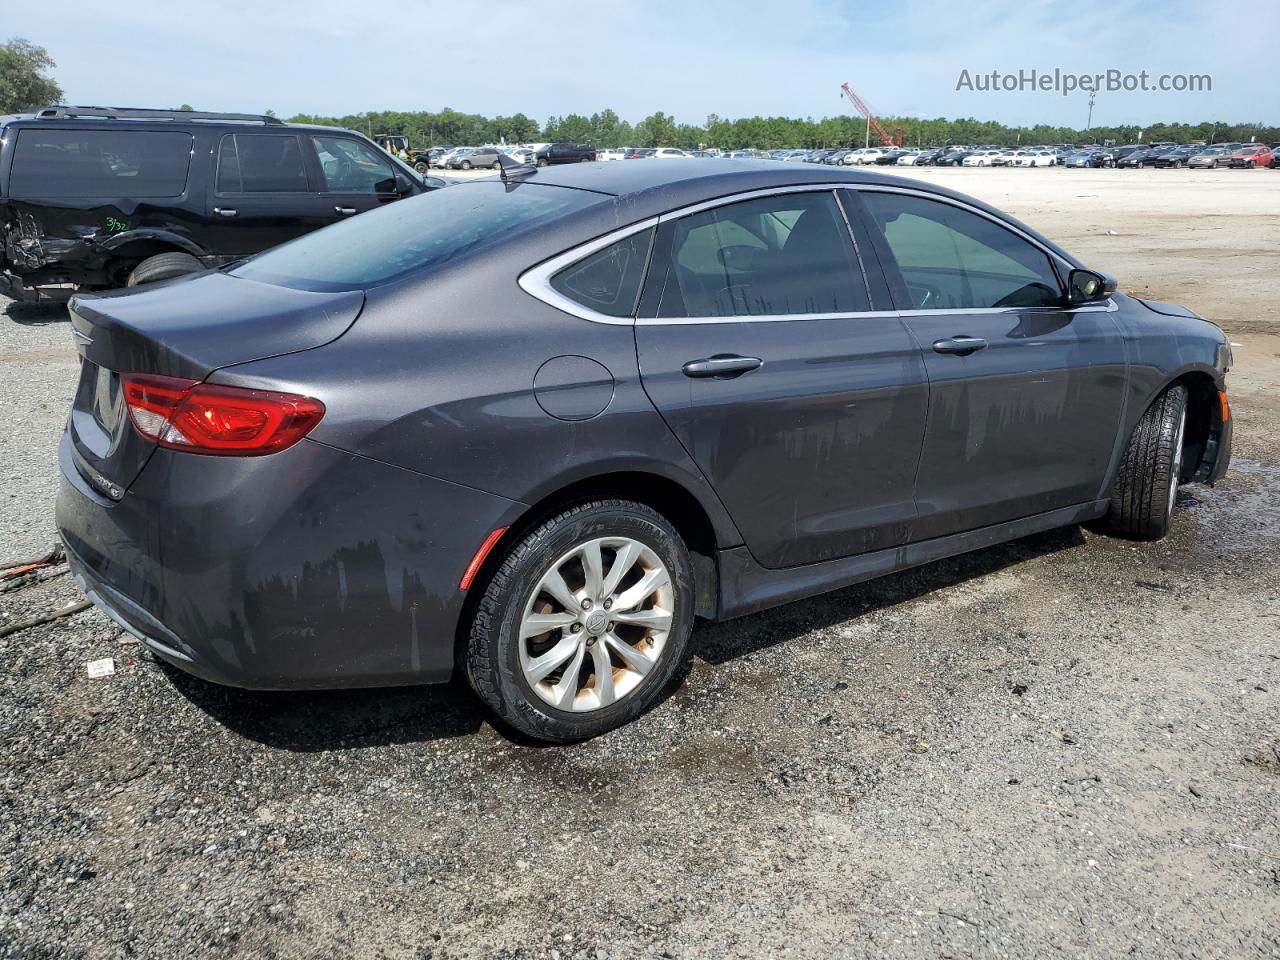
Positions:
{"x": 961, "y": 346}
{"x": 722, "y": 366}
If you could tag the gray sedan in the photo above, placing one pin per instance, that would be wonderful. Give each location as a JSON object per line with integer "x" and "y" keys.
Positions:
{"x": 530, "y": 428}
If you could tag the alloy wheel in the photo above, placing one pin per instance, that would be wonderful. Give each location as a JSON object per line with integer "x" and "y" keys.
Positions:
{"x": 596, "y": 624}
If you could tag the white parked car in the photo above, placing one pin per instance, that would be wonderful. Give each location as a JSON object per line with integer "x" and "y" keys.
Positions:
{"x": 670, "y": 153}
{"x": 909, "y": 159}
{"x": 521, "y": 154}
{"x": 1036, "y": 158}
{"x": 983, "y": 158}
{"x": 613, "y": 153}
{"x": 1004, "y": 158}
{"x": 864, "y": 155}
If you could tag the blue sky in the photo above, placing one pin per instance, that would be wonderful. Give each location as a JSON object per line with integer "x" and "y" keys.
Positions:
{"x": 686, "y": 57}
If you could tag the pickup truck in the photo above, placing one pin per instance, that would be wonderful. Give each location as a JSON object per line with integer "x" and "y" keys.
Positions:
{"x": 565, "y": 153}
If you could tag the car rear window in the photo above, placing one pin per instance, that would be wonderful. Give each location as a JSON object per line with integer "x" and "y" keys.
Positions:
{"x": 409, "y": 235}
{"x": 100, "y": 163}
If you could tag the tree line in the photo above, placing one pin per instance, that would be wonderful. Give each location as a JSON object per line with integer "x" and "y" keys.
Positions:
{"x": 607, "y": 129}
{"x": 25, "y": 82}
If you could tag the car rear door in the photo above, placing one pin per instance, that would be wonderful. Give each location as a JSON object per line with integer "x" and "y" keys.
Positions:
{"x": 354, "y": 176}
{"x": 760, "y": 342}
{"x": 1025, "y": 392}
{"x": 262, "y": 193}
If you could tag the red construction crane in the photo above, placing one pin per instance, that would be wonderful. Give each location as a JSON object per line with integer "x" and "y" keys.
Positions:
{"x": 881, "y": 132}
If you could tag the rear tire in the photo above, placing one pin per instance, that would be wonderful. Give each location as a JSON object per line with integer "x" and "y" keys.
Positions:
{"x": 163, "y": 266}
{"x": 1146, "y": 485}
{"x": 422, "y": 167}
{"x": 561, "y": 698}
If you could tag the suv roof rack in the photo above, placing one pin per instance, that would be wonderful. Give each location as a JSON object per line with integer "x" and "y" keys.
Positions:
{"x": 136, "y": 113}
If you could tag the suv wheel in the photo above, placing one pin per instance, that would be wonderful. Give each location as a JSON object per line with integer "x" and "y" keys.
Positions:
{"x": 542, "y": 161}
{"x": 584, "y": 623}
{"x": 1146, "y": 485}
{"x": 422, "y": 167}
{"x": 163, "y": 266}
{"x": 466, "y": 164}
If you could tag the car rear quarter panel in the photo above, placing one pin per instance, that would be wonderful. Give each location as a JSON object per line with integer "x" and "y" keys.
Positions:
{"x": 437, "y": 376}
{"x": 308, "y": 568}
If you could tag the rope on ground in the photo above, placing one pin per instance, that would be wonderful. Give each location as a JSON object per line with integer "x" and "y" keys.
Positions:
{"x": 17, "y": 568}
{"x": 45, "y": 618}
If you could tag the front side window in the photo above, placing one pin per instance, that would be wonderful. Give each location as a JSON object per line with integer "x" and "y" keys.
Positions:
{"x": 353, "y": 167}
{"x": 100, "y": 163}
{"x": 951, "y": 259}
{"x": 782, "y": 255}
{"x": 608, "y": 281}
{"x": 413, "y": 235}
{"x": 261, "y": 163}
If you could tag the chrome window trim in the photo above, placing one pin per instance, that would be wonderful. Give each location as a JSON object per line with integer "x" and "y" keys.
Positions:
{"x": 1053, "y": 256}
{"x": 536, "y": 280}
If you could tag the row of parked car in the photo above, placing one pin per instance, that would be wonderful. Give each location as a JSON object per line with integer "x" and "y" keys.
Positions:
{"x": 1247, "y": 155}
{"x": 1239, "y": 155}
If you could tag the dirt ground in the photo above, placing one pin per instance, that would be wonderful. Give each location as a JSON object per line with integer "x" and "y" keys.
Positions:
{"x": 1066, "y": 745}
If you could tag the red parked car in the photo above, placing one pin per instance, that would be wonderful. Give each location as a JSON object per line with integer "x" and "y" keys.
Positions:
{"x": 1252, "y": 155}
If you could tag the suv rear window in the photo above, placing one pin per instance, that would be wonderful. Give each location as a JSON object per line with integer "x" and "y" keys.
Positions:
{"x": 100, "y": 163}
{"x": 424, "y": 231}
{"x": 261, "y": 163}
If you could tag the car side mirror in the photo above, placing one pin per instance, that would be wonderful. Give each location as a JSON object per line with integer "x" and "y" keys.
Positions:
{"x": 1088, "y": 286}
{"x": 403, "y": 184}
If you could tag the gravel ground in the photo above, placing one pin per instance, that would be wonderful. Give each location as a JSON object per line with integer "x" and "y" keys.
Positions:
{"x": 1065, "y": 745}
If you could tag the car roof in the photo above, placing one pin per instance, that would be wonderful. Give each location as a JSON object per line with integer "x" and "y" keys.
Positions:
{"x": 138, "y": 123}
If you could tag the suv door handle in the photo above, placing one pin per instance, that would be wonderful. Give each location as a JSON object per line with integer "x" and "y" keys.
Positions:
{"x": 225, "y": 211}
{"x": 961, "y": 346}
{"x": 345, "y": 211}
{"x": 726, "y": 366}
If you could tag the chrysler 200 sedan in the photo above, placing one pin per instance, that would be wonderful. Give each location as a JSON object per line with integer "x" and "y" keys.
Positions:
{"x": 529, "y": 428}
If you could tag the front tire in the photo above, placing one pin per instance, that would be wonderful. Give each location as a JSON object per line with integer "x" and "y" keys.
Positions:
{"x": 1146, "y": 486}
{"x": 466, "y": 164}
{"x": 585, "y": 622}
{"x": 163, "y": 266}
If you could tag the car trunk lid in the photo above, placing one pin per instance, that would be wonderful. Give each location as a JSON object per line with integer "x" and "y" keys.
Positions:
{"x": 186, "y": 328}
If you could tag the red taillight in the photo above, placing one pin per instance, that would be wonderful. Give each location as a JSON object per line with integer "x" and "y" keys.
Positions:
{"x": 207, "y": 418}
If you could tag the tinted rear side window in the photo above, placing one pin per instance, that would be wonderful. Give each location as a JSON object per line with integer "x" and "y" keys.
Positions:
{"x": 608, "y": 281}
{"x": 261, "y": 163}
{"x": 100, "y": 163}
{"x": 408, "y": 235}
{"x": 783, "y": 255}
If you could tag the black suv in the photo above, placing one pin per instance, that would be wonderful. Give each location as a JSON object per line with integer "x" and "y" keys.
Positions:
{"x": 565, "y": 153}
{"x": 104, "y": 197}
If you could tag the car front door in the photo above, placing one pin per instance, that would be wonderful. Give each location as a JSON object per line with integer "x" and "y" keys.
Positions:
{"x": 261, "y": 193}
{"x": 1025, "y": 392}
{"x": 355, "y": 176}
{"x": 760, "y": 343}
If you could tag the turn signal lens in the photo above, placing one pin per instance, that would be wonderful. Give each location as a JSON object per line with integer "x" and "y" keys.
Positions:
{"x": 1226, "y": 406}
{"x": 207, "y": 418}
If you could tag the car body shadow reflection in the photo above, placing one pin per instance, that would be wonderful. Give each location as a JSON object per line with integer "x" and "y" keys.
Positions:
{"x": 316, "y": 721}
{"x": 718, "y": 643}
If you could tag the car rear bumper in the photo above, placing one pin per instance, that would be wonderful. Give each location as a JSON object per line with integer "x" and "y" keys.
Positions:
{"x": 310, "y": 568}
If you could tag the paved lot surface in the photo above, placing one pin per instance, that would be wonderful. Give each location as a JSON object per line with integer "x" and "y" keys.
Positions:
{"x": 1066, "y": 745}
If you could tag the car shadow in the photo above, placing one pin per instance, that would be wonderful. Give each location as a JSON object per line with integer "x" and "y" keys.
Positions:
{"x": 38, "y": 314}
{"x": 312, "y": 721}
{"x": 316, "y": 721}
{"x": 717, "y": 643}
